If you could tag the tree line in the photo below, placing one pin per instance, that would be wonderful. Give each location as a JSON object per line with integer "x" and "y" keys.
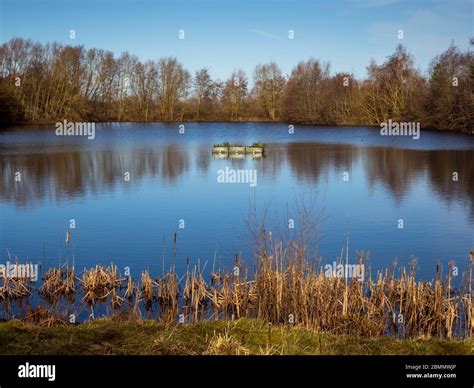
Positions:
{"x": 51, "y": 82}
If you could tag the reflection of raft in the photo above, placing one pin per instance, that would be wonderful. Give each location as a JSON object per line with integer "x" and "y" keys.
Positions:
{"x": 236, "y": 150}
{"x": 255, "y": 150}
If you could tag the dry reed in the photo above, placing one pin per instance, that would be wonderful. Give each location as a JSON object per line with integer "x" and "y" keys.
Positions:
{"x": 284, "y": 288}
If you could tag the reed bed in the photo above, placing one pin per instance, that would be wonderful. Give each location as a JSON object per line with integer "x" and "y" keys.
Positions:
{"x": 149, "y": 290}
{"x": 99, "y": 283}
{"x": 14, "y": 289}
{"x": 59, "y": 283}
{"x": 168, "y": 297}
{"x": 195, "y": 295}
{"x": 284, "y": 288}
{"x": 43, "y": 316}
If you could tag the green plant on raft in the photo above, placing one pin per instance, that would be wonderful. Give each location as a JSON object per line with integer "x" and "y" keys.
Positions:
{"x": 225, "y": 144}
{"x": 257, "y": 145}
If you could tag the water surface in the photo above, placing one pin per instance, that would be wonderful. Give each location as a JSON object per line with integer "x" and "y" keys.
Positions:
{"x": 173, "y": 177}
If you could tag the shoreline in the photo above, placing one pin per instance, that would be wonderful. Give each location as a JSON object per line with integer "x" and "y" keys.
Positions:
{"x": 240, "y": 337}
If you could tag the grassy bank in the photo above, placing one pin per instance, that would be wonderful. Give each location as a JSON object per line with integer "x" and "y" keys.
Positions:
{"x": 244, "y": 336}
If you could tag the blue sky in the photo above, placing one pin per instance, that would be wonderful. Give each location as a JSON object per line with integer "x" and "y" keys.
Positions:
{"x": 226, "y": 35}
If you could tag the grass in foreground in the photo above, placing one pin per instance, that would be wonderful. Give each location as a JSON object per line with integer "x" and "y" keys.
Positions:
{"x": 241, "y": 337}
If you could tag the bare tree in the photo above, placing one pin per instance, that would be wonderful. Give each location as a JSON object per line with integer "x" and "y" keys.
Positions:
{"x": 203, "y": 88}
{"x": 234, "y": 93}
{"x": 173, "y": 87}
{"x": 45, "y": 82}
{"x": 268, "y": 88}
{"x": 303, "y": 101}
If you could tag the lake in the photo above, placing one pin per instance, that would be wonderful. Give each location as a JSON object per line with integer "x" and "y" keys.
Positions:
{"x": 134, "y": 186}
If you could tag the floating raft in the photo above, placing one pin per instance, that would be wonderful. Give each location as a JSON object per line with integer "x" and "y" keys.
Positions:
{"x": 237, "y": 150}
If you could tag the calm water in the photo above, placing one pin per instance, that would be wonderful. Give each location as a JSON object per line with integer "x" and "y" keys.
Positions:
{"x": 173, "y": 177}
